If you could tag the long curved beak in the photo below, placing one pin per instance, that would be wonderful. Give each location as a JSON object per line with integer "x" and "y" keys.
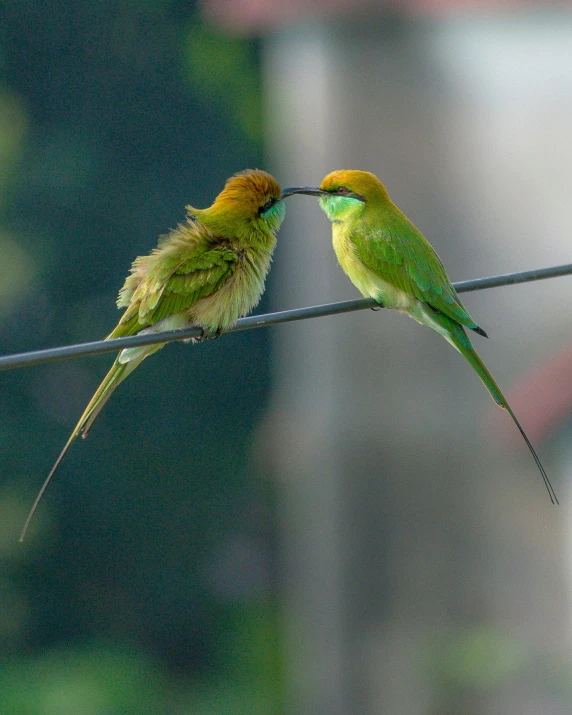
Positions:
{"x": 310, "y": 190}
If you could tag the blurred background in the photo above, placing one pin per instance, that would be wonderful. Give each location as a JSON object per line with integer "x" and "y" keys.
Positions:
{"x": 320, "y": 518}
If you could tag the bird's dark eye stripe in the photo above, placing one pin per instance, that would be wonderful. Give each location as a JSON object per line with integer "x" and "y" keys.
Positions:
{"x": 268, "y": 205}
{"x": 344, "y": 191}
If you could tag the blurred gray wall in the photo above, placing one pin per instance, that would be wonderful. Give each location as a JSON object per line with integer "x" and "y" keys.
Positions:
{"x": 419, "y": 546}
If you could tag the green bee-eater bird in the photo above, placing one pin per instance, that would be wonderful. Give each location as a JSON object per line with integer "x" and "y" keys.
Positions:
{"x": 388, "y": 259}
{"x": 208, "y": 272}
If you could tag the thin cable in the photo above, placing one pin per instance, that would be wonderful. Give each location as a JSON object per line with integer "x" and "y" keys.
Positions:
{"x": 37, "y": 357}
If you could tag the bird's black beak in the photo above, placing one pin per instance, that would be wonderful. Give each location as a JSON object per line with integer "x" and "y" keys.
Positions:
{"x": 310, "y": 190}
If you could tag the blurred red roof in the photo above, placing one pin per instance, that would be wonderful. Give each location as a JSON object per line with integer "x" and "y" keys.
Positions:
{"x": 257, "y": 16}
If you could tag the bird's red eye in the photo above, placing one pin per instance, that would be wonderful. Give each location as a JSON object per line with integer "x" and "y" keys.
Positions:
{"x": 342, "y": 190}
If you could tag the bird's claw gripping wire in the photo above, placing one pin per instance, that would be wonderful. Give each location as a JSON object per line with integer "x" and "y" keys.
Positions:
{"x": 208, "y": 335}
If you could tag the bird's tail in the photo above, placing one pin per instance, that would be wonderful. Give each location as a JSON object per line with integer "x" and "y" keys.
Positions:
{"x": 460, "y": 340}
{"x": 118, "y": 372}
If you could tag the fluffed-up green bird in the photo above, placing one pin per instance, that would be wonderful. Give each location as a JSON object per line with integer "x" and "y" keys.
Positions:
{"x": 388, "y": 259}
{"x": 208, "y": 272}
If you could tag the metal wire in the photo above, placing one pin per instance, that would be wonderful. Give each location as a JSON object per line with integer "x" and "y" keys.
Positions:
{"x": 37, "y": 357}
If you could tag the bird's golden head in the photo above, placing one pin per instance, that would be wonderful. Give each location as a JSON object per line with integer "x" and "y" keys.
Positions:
{"x": 250, "y": 188}
{"x": 362, "y": 184}
{"x": 250, "y": 202}
{"x": 250, "y": 194}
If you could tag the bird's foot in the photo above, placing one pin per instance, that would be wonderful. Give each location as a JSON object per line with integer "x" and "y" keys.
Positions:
{"x": 377, "y": 307}
{"x": 214, "y": 334}
{"x": 208, "y": 335}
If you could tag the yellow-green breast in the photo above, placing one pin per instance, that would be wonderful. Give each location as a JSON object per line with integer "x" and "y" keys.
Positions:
{"x": 369, "y": 283}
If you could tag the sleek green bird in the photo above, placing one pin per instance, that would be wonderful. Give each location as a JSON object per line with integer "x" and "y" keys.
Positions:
{"x": 388, "y": 259}
{"x": 208, "y": 272}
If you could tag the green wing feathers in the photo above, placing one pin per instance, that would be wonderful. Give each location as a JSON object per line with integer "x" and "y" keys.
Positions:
{"x": 162, "y": 285}
{"x": 403, "y": 257}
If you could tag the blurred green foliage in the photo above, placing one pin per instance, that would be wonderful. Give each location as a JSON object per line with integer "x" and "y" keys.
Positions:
{"x": 480, "y": 657}
{"x": 106, "y": 678}
{"x": 486, "y": 659}
{"x": 130, "y": 595}
{"x": 13, "y": 125}
{"x": 17, "y": 266}
{"x": 224, "y": 68}
{"x": 90, "y": 680}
